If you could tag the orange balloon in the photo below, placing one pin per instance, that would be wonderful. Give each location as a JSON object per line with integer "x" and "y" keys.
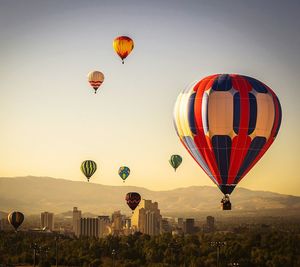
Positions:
{"x": 123, "y": 46}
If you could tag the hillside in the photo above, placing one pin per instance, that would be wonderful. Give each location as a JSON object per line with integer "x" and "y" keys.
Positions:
{"x": 35, "y": 194}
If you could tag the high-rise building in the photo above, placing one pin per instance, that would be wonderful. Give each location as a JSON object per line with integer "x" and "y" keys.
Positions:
{"x": 180, "y": 223}
{"x": 117, "y": 222}
{"x": 189, "y": 226}
{"x": 210, "y": 223}
{"x": 47, "y": 220}
{"x": 90, "y": 227}
{"x": 105, "y": 226}
{"x": 146, "y": 218}
{"x": 94, "y": 227}
{"x": 76, "y": 221}
{"x": 165, "y": 226}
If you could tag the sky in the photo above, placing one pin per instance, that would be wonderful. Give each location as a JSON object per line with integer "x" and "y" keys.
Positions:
{"x": 51, "y": 120}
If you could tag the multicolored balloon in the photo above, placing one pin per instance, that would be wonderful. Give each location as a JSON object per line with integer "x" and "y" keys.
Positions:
{"x": 133, "y": 199}
{"x": 88, "y": 167}
{"x": 175, "y": 161}
{"x": 123, "y": 46}
{"x": 15, "y": 218}
{"x": 227, "y": 122}
{"x": 96, "y": 78}
{"x": 124, "y": 172}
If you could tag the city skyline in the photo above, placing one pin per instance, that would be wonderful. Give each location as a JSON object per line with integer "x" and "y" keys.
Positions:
{"x": 52, "y": 120}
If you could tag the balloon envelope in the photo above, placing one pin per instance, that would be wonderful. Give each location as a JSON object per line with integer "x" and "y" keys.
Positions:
{"x": 227, "y": 122}
{"x": 95, "y": 79}
{"x": 133, "y": 199}
{"x": 123, "y": 46}
{"x": 15, "y": 218}
{"x": 124, "y": 172}
{"x": 88, "y": 168}
{"x": 175, "y": 161}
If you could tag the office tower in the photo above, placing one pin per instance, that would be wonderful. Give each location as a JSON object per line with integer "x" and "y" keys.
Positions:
{"x": 210, "y": 223}
{"x": 189, "y": 226}
{"x": 146, "y": 218}
{"x": 180, "y": 223}
{"x": 105, "y": 226}
{"x": 47, "y": 220}
{"x": 165, "y": 226}
{"x": 76, "y": 221}
{"x": 94, "y": 227}
{"x": 117, "y": 222}
{"x": 90, "y": 227}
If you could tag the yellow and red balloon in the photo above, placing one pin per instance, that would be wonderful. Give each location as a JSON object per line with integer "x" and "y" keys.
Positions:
{"x": 123, "y": 46}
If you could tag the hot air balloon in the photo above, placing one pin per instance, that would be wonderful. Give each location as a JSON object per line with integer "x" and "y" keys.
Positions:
{"x": 227, "y": 122}
{"x": 88, "y": 167}
{"x": 123, "y": 46}
{"x": 95, "y": 78}
{"x": 15, "y": 218}
{"x": 133, "y": 199}
{"x": 124, "y": 172}
{"x": 175, "y": 161}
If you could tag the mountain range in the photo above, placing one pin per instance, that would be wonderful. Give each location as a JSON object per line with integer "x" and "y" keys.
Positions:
{"x": 33, "y": 195}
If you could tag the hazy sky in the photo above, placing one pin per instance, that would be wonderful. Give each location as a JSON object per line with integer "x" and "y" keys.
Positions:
{"x": 51, "y": 120}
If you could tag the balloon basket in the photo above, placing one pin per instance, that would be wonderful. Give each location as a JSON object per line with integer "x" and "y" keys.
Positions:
{"x": 225, "y": 203}
{"x": 226, "y": 206}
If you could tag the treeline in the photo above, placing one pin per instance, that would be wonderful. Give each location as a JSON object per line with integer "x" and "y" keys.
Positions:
{"x": 260, "y": 247}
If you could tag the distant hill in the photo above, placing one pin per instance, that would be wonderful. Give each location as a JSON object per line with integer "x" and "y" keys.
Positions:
{"x": 33, "y": 195}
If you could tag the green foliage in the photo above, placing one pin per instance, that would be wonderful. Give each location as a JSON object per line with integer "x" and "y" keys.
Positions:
{"x": 260, "y": 247}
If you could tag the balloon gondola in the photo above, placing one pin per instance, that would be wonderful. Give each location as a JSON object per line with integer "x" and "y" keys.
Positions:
{"x": 227, "y": 122}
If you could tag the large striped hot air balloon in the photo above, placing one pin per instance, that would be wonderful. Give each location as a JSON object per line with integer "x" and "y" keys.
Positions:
{"x": 88, "y": 167}
{"x": 15, "y": 218}
{"x": 227, "y": 122}
{"x": 95, "y": 79}
{"x": 123, "y": 46}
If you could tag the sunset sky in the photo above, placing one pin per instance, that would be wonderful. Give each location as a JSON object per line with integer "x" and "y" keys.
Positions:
{"x": 51, "y": 120}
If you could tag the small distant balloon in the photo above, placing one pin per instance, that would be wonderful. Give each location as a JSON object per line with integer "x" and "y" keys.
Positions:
{"x": 133, "y": 199}
{"x": 88, "y": 168}
{"x": 123, "y": 46}
{"x": 124, "y": 172}
{"x": 95, "y": 79}
{"x": 175, "y": 161}
{"x": 15, "y": 218}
